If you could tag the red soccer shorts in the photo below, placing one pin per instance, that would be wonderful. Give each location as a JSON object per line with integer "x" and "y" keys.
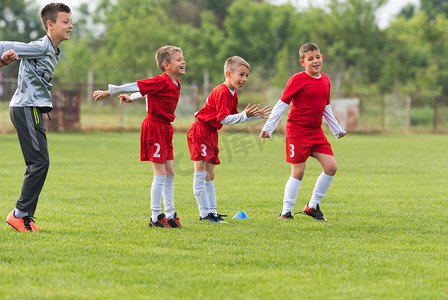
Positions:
{"x": 156, "y": 141}
{"x": 299, "y": 149}
{"x": 203, "y": 143}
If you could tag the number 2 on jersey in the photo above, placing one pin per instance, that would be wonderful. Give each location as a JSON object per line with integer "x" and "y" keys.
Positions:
{"x": 157, "y": 154}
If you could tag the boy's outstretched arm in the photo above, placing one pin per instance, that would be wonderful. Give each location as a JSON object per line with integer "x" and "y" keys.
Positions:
{"x": 124, "y": 98}
{"x": 100, "y": 95}
{"x": 8, "y": 57}
{"x": 273, "y": 120}
{"x": 337, "y": 130}
{"x": 250, "y": 113}
{"x": 13, "y": 50}
{"x": 115, "y": 89}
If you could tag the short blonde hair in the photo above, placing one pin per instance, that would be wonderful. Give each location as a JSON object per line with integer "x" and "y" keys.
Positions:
{"x": 232, "y": 63}
{"x": 307, "y": 47}
{"x": 164, "y": 54}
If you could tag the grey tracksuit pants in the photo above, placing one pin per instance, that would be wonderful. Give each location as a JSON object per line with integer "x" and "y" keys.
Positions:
{"x": 31, "y": 131}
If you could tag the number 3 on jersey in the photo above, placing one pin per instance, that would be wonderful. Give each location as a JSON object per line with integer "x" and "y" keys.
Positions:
{"x": 157, "y": 153}
{"x": 204, "y": 149}
{"x": 292, "y": 153}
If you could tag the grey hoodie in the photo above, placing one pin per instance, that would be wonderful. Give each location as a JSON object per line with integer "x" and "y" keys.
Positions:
{"x": 38, "y": 60}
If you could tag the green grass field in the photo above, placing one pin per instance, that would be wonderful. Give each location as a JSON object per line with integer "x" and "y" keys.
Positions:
{"x": 386, "y": 235}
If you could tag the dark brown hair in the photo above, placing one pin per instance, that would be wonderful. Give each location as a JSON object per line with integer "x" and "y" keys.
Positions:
{"x": 307, "y": 47}
{"x": 50, "y": 12}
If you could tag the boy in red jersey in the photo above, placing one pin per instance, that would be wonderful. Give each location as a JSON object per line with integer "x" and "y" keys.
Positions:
{"x": 156, "y": 145}
{"x": 219, "y": 109}
{"x": 309, "y": 93}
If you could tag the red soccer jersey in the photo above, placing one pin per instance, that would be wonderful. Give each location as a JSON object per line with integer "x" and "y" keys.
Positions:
{"x": 309, "y": 97}
{"x": 162, "y": 96}
{"x": 219, "y": 104}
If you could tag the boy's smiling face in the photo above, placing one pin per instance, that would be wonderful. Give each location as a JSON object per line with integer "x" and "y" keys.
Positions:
{"x": 62, "y": 27}
{"x": 312, "y": 62}
{"x": 176, "y": 66}
{"x": 236, "y": 79}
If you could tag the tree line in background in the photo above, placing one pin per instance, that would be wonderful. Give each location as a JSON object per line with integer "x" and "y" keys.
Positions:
{"x": 118, "y": 40}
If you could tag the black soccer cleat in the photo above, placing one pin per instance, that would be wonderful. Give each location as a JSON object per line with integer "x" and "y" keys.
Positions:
{"x": 161, "y": 222}
{"x": 316, "y": 213}
{"x": 286, "y": 216}
{"x": 174, "y": 222}
{"x": 219, "y": 218}
{"x": 210, "y": 217}
{"x": 214, "y": 218}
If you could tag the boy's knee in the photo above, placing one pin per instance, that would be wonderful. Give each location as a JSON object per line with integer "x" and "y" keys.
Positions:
{"x": 41, "y": 165}
{"x": 331, "y": 170}
{"x": 297, "y": 175}
{"x": 210, "y": 174}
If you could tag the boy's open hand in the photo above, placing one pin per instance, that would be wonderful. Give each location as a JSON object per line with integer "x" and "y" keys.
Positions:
{"x": 9, "y": 56}
{"x": 252, "y": 110}
{"x": 265, "y": 112}
{"x": 124, "y": 98}
{"x": 100, "y": 95}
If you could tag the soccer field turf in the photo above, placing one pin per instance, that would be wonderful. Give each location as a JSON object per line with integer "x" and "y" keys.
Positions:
{"x": 386, "y": 235}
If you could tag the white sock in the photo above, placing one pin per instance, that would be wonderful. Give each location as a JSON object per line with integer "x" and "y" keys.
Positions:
{"x": 291, "y": 189}
{"x": 156, "y": 196}
{"x": 200, "y": 193}
{"x": 211, "y": 195}
{"x": 168, "y": 197}
{"x": 321, "y": 187}
{"x": 20, "y": 214}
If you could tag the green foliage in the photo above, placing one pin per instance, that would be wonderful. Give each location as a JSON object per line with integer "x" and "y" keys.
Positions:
{"x": 287, "y": 63}
{"x": 208, "y": 49}
{"x": 200, "y": 45}
{"x": 357, "y": 39}
{"x": 129, "y": 47}
{"x": 434, "y": 8}
{"x": 413, "y": 55}
{"x": 118, "y": 40}
{"x": 257, "y": 31}
{"x": 76, "y": 58}
{"x": 202, "y": 49}
{"x": 408, "y": 11}
{"x": 219, "y": 9}
{"x": 19, "y": 21}
{"x": 94, "y": 241}
{"x": 359, "y": 57}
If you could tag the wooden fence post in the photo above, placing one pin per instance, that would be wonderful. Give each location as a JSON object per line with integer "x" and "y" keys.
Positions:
{"x": 383, "y": 113}
{"x": 434, "y": 113}
{"x": 408, "y": 113}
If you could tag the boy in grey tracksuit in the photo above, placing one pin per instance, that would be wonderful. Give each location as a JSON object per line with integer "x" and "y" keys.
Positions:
{"x": 30, "y": 100}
